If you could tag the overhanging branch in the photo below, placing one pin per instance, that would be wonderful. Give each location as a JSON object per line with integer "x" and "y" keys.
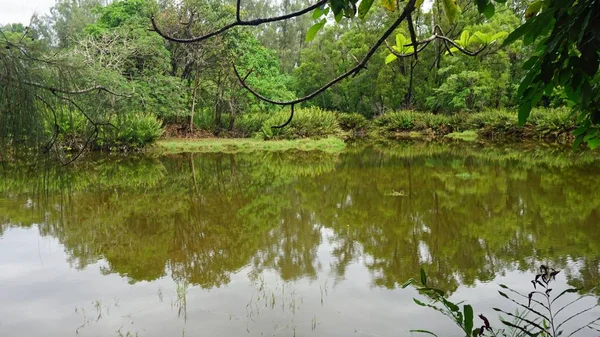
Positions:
{"x": 238, "y": 22}
{"x": 408, "y": 9}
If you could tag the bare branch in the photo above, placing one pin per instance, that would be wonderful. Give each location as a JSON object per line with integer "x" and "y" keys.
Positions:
{"x": 426, "y": 42}
{"x": 287, "y": 122}
{"x": 74, "y": 92}
{"x": 409, "y": 8}
{"x": 237, "y": 22}
{"x": 413, "y": 35}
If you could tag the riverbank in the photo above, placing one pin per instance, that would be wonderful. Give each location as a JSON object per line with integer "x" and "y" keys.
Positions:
{"x": 553, "y": 125}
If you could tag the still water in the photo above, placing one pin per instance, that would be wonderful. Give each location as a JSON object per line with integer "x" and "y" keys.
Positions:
{"x": 289, "y": 244}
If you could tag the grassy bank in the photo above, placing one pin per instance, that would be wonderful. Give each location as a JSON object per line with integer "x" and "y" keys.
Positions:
{"x": 330, "y": 145}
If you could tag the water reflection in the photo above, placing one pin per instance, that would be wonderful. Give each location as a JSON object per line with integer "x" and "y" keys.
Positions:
{"x": 465, "y": 214}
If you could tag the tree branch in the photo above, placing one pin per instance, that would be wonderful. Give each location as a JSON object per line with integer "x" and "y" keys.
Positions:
{"x": 409, "y": 8}
{"x": 237, "y": 22}
{"x": 74, "y": 92}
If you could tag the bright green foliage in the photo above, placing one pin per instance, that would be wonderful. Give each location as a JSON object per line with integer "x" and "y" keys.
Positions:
{"x": 307, "y": 122}
{"x": 133, "y": 130}
{"x": 352, "y": 121}
{"x": 567, "y": 34}
{"x": 466, "y": 90}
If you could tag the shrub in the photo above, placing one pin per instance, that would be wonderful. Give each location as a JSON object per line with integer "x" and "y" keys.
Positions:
{"x": 352, "y": 121}
{"x": 397, "y": 120}
{"x": 307, "y": 122}
{"x": 250, "y": 123}
{"x": 130, "y": 130}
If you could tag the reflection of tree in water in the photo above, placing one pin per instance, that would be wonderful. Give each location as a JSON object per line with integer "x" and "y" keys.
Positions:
{"x": 465, "y": 216}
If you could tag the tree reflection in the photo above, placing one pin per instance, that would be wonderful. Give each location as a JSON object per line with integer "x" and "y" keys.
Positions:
{"x": 464, "y": 214}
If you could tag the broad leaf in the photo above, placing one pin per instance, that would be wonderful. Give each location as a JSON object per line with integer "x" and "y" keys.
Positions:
{"x": 451, "y": 9}
{"x": 533, "y": 9}
{"x": 364, "y": 7}
{"x": 468, "y": 313}
{"x": 390, "y": 58}
{"x": 312, "y": 31}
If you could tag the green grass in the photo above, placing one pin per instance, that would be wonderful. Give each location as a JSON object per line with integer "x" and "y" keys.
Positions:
{"x": 330, "y": 145}
{"x": 468, "y": 135}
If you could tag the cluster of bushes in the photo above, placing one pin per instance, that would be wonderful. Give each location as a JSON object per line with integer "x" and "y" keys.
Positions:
{"x": 307, "y": 122}
{"x": 127, "y": 131}
{"x": 317, "y": 123}
{"x": 135, "y": 130}
{"x": 543, "y": 123}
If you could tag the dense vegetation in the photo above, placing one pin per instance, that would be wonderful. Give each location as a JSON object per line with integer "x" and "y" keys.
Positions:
{"x": 156, "y": 85}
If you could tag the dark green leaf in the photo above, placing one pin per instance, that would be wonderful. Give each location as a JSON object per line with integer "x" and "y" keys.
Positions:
{"x": 423, "y": 277}
{"x": 425, "y": 332}
{"x": 529, "y": 63}
{"x": 517, "y": 34}
{"x": 419, "y": 302}
{"x": 524, "y": 111}
{"x": 468, "y": 312}
{"x": 364, "y": 7}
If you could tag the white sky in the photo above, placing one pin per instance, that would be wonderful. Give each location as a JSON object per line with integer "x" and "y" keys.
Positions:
{"x": 13, "y": 11}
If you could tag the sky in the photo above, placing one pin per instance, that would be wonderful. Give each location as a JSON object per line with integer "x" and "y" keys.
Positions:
{"x": 13, "y": 11}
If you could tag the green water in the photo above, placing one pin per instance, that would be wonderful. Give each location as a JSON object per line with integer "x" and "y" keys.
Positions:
{"x": 288, "y": 243}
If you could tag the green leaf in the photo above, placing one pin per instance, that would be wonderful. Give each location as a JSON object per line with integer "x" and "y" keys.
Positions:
{"x": 450, "y": 305}
{"x": 529, "y": 63}
{"x": 407, "y": 283}
{"x": 419, "y": 302}
{"x": 486, "y": 7}
{"x": 464, "y": 38}
{"x": 390, "y": 58}
{"x": 524, "y": 111}
{"x": 468, "y": 311}
{"x": 593, "y": 143}
{"x": 517, "y": 34}
{"x": 312, "y": 31}
{"x": 423, "y": 277}
{"x": 499, "y": 35}
{"x": 533, "y": 9}
{"x": 451, "y": 9}
{"x": 425, "y": 332}
{"x": 452, "y": 50}
{"x": 400, "y": 41}
{"x": 339, "y": 16}
{"x": 364, "y": 7}
{"x": 390, "y": 5}
{"x": 318, "y": 13}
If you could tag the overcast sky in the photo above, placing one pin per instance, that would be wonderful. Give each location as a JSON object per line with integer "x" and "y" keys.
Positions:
{"x": 12, "y": 11}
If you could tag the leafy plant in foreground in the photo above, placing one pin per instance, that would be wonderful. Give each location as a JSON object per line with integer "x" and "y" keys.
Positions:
{"x": 540, "y": 317}
{"x": 544, "y": 309}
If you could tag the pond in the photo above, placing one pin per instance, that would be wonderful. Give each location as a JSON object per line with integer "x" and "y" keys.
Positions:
{"x": 289, "y": 243}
